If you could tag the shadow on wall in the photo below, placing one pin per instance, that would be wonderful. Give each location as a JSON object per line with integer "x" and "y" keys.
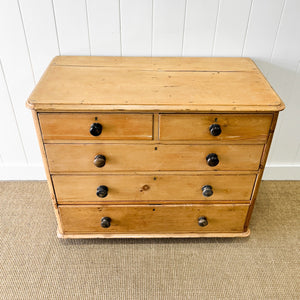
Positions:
{"x": 286, "y": 83}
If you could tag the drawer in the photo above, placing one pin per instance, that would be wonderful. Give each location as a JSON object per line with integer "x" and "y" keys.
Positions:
{"x": 152, "y": 219}
{"x": 75, "y": 189}
{"x": 227, "y": 127}
{"x": 78, "y": 158}
{"x": 81, "y": 126}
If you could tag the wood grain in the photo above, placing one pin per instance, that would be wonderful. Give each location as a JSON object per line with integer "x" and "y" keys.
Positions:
{"x": 46, "y": 166}
{"x": 234, "y": 127}
{"x": 68, "y": 158}
{"x": 70, "y": 87}
{"x": 160, "y": 63}
{"x": 138, "y": 189}
{"x": 261, "y": 169}
{"x": 153, "y": 219}
{"x": 67, "y": 235}
{"x": 76, "y": 126}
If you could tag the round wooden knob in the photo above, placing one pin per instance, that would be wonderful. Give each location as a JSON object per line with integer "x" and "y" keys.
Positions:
{"x": 95, "y": 129}
{"x": 105, "y": 222}
{"x": 212, "y": 159}
{"x": 102, "y": 191}
{"x": 207, "y": 190}
{"x": 99, "y": 161}
{"x": 215, "y": 129}
{"x": 202, "y": 221}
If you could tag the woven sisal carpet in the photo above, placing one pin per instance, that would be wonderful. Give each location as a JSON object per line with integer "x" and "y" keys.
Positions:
{"x": 34, "y": 264}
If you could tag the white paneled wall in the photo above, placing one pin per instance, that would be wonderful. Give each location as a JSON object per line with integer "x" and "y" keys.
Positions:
{"x": 32, "y": 32}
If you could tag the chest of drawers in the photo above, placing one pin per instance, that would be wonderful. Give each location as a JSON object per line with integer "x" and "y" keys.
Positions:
{"x": 153, "y": 147}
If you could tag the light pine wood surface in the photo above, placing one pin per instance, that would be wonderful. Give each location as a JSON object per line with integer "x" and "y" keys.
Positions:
{"x": 153, "y": 219}
{"x": 155, "y": 116}
{"x": 235, "y": 127}
{"x": 144, "y": 85}
{"x": 158, "y": 188}
{"x": 76, "y": 126}
{"x": 78, "y": 158}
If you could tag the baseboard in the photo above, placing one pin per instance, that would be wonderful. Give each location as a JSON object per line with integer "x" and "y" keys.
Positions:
{"x": 23, "y": 172}
{"x": 272, "y": 172}
{"x": 282, "y": 172}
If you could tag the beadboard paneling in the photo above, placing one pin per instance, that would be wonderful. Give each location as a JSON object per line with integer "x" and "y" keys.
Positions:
{"x": 32, "y": 32}
{"x": 136, "y": 24}
{"x": 231, "y": 27}
{"x": 11, "y": 150}
{"x": 200, "y": 26}
{"x": 18, "y": 74}
{"x": 42, "y": 39}
{"x": 104, "y": 27}
{"x": 168, "y": 27}
{"x": 262, "y": 31}
{"x": 72, "y": 27}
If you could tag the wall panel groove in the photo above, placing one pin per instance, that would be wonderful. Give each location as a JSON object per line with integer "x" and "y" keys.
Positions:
{"x": 12, "y": 149}
{"x": 247, "y": 27}
{"x": 26, "y": 41}
{"x": 32, "y": 32}
{"x": 215, "y": 31}
{"x": 18, "y": 74}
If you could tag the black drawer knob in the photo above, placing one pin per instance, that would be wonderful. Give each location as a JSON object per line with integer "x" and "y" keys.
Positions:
{"x": 95, "y": 129}
{"x": 105, "y": 222}
{"x": 207, "y": 190}
{"x": 215, "y": 129}
{"x": 102, "y": 191}
{"x": 99, "y": 161}
{"x": 212, "y": 159}
{"x": 202, "y": 221}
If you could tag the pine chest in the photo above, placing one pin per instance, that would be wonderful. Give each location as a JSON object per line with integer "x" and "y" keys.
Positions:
{"x": 153, "y": 147}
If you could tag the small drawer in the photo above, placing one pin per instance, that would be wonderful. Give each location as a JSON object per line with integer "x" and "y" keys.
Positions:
{"x": 139, "y": 189}
{"x": 152, "y": 218}
{"x": 98, "y": 158}
{"x": 96, "y": 126}
{"x": 214, "y": 127}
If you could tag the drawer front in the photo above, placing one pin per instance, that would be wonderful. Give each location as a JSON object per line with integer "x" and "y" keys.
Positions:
{"x": 151, "y": 189}
{"x": 77, "y": 126}
{"x": 232, "y": 127}
{"x": 65, "y": 158}
{"x": 152, "y": 219}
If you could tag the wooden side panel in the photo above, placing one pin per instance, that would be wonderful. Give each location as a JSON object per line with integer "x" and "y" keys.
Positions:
{"x": 196, "y": 127}
{"x": 152, "y": 188}
{"x": 153, "y": 219}
{"x": 76, "y": 126}
{"x": 46, "y": 166}
{"x": 64, "y": 158}
{"x": 261, "y": 170}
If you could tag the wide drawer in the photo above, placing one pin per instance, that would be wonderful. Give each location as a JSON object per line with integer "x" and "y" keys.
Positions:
{"x": 65, "y": 158}
{"x": 232, "y": 127}
{"x": 133, "y": 189}
{"x": 152, "y": 219}
{"x": 77, "y": 126}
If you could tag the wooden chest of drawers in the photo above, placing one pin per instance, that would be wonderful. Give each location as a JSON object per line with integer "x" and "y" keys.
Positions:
{"x": 153, "y": 147}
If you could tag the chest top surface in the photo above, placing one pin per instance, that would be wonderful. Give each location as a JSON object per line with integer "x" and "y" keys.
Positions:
{"x": 84, "y": 83}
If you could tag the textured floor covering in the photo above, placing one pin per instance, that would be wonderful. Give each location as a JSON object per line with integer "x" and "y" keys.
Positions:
{"x": 34, "y": 264}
